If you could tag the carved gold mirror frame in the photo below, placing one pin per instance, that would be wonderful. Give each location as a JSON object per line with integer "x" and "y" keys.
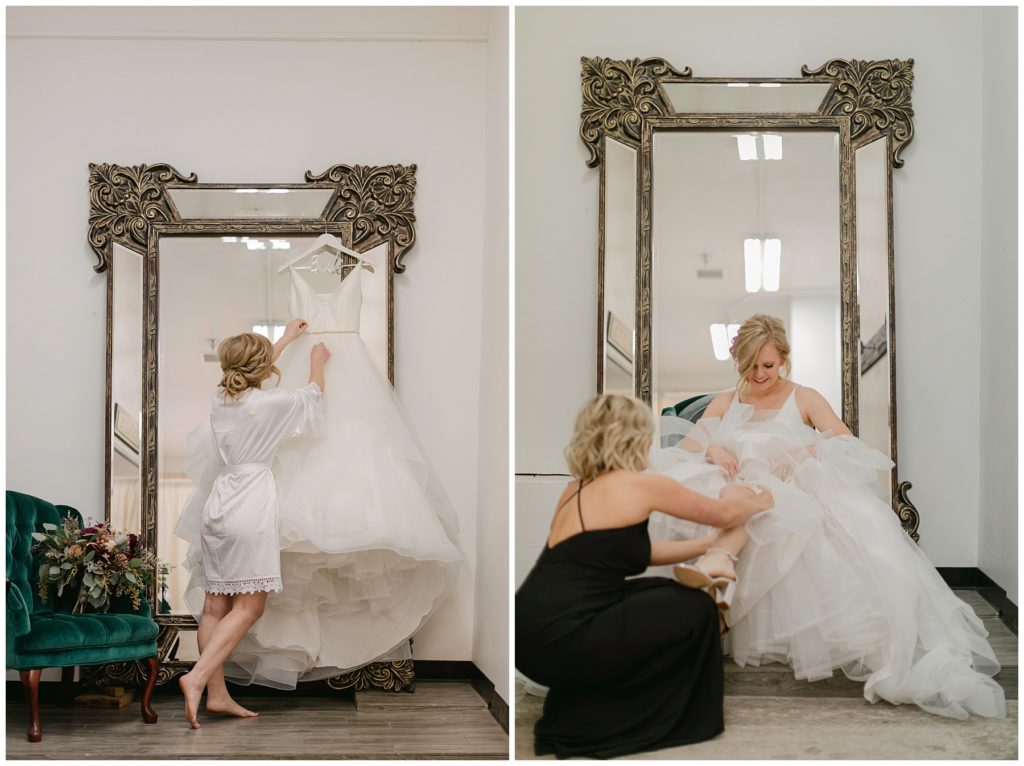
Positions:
{"x": 132, "y": 207}
{"x": 626, "y": 103}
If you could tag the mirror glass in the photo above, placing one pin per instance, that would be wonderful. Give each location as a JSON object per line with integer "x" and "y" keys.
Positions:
{"x": 210, "y": 288}
{"x": 250, "y": 203}
{"x": 125, "y": 275}
{"x": 746, "y": 97}
{"x": 619, "y": 276}
{"x": 872, "y": 231}
{"x": 721, "y": 199}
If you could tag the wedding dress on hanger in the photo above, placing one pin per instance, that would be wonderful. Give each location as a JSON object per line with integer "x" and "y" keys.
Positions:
{"x": 366, "y": 531}
{"x": 828, "y": 578}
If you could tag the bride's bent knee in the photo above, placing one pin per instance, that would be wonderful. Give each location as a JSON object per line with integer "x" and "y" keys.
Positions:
{"x": 733, "y": 490}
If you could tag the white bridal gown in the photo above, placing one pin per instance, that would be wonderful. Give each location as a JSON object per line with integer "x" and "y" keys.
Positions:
{"x": 365, "y": 532}
{"x": 829, "y": 579}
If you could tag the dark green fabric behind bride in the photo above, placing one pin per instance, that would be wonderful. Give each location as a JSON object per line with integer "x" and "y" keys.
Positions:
{"x": 48, "y": 635}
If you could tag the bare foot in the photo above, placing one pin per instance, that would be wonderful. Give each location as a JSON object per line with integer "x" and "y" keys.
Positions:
{"x": 228, "y": 706}
{"x": 717, "y": 565}
{"x": 193, "y": 694}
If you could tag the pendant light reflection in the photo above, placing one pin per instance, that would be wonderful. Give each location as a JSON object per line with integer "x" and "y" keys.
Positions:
{"x": 762, "y": 261}
{"x": 721, "y": 339}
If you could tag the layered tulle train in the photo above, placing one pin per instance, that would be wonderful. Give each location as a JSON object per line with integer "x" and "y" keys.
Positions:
{"x": 828, "y": 579}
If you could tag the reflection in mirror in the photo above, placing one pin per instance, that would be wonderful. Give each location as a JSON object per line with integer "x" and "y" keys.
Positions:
{"x": 736, "y": 234}
{"x": 746, "y": 97}
{"x": 875, "y": 395}
{"x": 198, "y": 202}
{"x": 619, "y": 276}
{"x": 125, "y": 389}
{"x": 212, "y": 288}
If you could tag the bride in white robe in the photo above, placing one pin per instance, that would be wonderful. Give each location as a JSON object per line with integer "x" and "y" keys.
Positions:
{"x": 366, "y": 531}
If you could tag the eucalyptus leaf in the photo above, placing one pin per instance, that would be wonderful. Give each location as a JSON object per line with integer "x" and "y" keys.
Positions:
{"x": 51, "y": 527}
{"x": 131, "y": 578}
{"x": 38, "y": 536}
{"x": 55, "y": 570}
{"x": 66, "y": 565}
{"x": 89, "y": 556}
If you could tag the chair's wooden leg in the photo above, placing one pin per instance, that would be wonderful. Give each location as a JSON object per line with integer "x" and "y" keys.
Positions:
{"x": 30, "y": 680}
{"x": 148, "y": 714}
{"x": 67, "y": 686}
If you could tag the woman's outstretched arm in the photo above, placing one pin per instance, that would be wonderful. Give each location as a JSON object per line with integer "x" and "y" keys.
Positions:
{"x": 669, "y": 496}
{"x": 292, "y": 330}
{"x": 674, "y": 551}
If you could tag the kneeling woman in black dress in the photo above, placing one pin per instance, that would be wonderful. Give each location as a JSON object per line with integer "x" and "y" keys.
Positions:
{"x": 635, "y": 664}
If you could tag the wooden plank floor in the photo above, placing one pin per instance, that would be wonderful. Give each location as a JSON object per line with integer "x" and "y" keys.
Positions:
{"x": 442, "y": 719}
{"x": 777, "y": 680}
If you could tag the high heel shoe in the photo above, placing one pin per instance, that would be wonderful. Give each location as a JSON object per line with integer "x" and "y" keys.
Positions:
{"x": 721, "y": 589}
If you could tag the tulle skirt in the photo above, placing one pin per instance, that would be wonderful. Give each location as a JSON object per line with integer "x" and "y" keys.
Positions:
{"x": 366, "y": 532}
{"x": 828, "y": 579}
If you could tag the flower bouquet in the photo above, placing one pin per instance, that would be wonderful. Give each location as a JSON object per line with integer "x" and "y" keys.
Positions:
{"x": 99, "y": 561}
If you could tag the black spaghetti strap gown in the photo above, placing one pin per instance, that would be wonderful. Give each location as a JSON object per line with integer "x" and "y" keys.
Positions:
{"x": 631, "y": 664}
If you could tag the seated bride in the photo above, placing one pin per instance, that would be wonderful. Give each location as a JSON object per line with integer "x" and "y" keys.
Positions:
{"x": 827, "y": 579}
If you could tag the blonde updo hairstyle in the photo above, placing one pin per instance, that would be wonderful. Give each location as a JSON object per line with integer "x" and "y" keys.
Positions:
{"x": 612, "y": 432}
{"x": 754, "y": 334}
{"x": 246, "y": 360}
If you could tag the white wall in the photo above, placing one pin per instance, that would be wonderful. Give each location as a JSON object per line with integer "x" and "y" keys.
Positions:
{"x": 938, "y": 232}
{"x": 236, "y": 95}
{"x": 997, "y": 546}
{"x": 490, "y": 637}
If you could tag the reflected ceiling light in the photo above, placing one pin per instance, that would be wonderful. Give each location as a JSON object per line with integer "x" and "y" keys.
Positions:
{"x": 747, "y": 146}
{"x": 771, "y": 85}
{"x": 277, "y": 191}
{"x": 247, "y": 191}
{"x": 229, "y": 239}
{"x": 280, "y": 244}
{"x": 738, "y": 84}
{"x": 256, "y": 244}
{"x": 752, "y": 264}
{"x": 771, "y": 264}
{"x": 772, "y": 146}
{"x": 243, "y": 239}
{"x": 720, "y": 341}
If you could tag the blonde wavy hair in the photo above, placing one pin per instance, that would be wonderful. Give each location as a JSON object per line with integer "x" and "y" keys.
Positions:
{"x": 757, "y": 331}
{"x": 612, "y": 432}
{"x": 245, "y": 359}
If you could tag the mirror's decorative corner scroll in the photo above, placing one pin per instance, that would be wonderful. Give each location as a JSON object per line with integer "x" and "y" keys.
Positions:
{"x": 910, "y": 519}
{"x": 617, "y": 96}
{"x": 124, "y": 200}
{"x": 377, "y": 200}
{"x": 875, "y": 95}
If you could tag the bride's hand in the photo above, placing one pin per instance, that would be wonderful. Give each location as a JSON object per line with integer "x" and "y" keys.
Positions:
{"x": 295, "y": 328}
{"x": 723, "y": 459}
{"x": 762, "y": 500}
{"x": 319, "y": 354}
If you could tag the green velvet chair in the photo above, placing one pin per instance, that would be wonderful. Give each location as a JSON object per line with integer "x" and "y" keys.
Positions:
{"x": 48, "y": 635}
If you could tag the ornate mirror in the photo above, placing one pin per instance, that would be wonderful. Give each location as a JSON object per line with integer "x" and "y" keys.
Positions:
{"x": 721, "y": 198}
{"x": 187, "y": 265}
